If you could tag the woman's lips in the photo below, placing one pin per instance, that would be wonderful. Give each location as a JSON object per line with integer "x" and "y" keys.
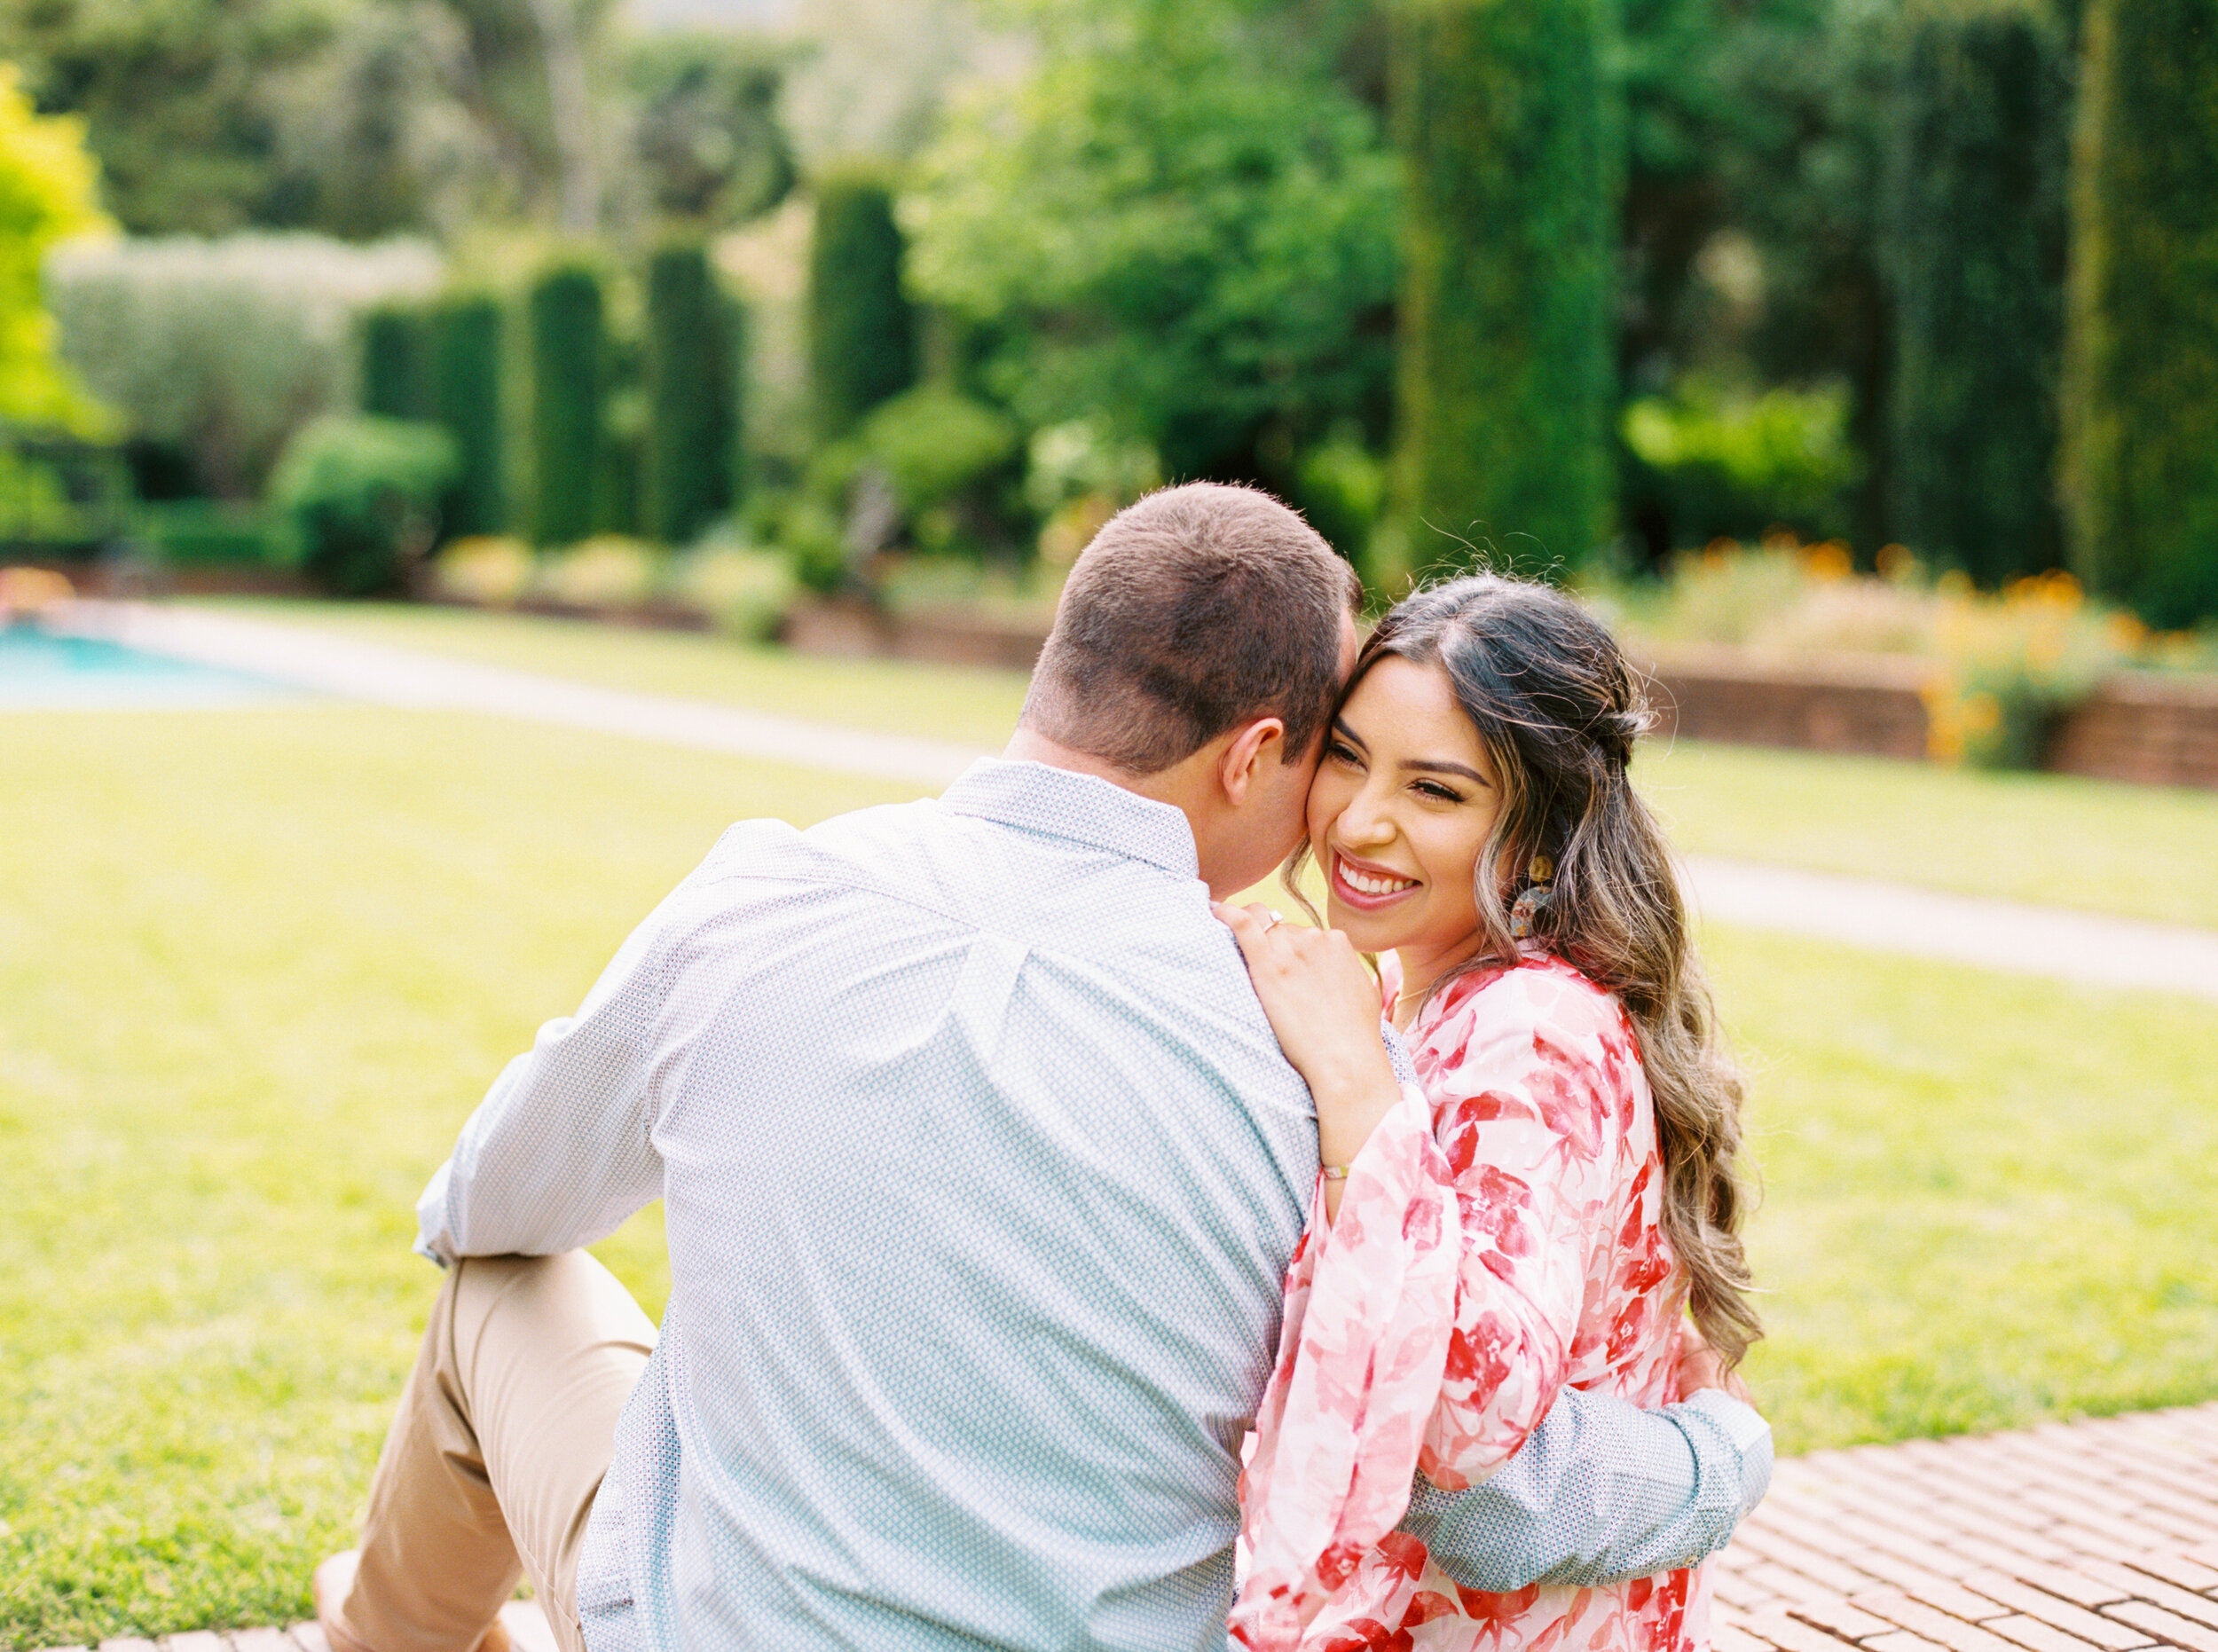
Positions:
{"x": 1365, "y": 899}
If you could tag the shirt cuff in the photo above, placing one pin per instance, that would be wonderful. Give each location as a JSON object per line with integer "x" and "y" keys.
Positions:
{"x": 432, "y": 1243}
{"x": 1748, "y": 1434}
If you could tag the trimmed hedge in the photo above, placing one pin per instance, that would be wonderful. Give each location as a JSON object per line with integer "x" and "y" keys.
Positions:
{"x": 1507, "y": 122}
{"x": 861, "y": 329}
{"x": 397, "y": 362}
{"x": 2141, "y": 395}
{"x": 1976, "y": 234}
{"x": 689, "y": 439}
{"x": 466, "y": 390}
{"x": 567, "y": 346}
{"x": 360, "y": 499}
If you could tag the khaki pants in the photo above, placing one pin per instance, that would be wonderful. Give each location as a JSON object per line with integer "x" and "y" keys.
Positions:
{"x": 505, "y": 1430}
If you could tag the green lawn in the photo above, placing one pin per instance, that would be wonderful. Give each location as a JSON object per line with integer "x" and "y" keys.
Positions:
{"x": 2136, "y": 850}
{"x": 256, "y": 967}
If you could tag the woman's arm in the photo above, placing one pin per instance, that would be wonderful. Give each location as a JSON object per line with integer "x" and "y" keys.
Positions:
{"x": 1324, "y": 1006}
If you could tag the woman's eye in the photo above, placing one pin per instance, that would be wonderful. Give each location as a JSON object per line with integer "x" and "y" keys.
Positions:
{"x": 1434, "y": 789}
{"x": 1340, "y": 752}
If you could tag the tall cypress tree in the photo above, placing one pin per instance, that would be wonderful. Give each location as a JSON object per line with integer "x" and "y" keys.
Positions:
{"x": 397, "y": 362}
{"x": 466, "y": 391}
{"x": 567, "y": 351}
{"x": 861, "y": 329}
{"x": 690, "y": 382}
{"x": 1509, "y": 138}
{"x": 1976, "y": 225}
{"x": 2141, "y": 380}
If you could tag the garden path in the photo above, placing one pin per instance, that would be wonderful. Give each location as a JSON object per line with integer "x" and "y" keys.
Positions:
{"x": 1889, "y": 917}
{"x": 2099, "y": 1536}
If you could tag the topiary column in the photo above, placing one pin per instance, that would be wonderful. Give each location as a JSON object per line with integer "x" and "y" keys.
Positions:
{"x": 861, "y": 330}
{"x": 1975, "y": 215}
{"x": 2140, "y": 378}
{"x": 688, "y": 439}
{"x": 566, "y": 348}
{"x": 466, "y": 391}
{"x": 396, "y": 362}
{"x": 1508, "y": 137}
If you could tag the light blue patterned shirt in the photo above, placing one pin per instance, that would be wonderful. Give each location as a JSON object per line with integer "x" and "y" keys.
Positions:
{"x": 981, "y": 1170}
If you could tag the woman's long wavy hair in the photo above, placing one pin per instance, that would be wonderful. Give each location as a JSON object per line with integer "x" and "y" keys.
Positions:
{"x": 1558, "y": 709}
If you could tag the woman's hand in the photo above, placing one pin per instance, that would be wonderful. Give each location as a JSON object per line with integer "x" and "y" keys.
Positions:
{"x": 1324, "y": 1005}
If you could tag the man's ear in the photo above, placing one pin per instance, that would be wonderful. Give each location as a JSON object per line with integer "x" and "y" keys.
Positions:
{"x": 1260, "y": 742}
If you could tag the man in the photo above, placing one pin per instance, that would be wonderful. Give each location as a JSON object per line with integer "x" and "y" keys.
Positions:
{"x": 981, "y": 1169}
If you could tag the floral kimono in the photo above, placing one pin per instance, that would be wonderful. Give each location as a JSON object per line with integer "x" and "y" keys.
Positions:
{"x": 1498, "y": 1237}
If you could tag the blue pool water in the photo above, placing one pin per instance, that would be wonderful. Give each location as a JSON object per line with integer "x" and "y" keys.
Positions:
{"x": 47, "y": 671}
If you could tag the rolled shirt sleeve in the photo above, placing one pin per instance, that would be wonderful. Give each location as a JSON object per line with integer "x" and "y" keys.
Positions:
{"x": 1600, "y": 1491}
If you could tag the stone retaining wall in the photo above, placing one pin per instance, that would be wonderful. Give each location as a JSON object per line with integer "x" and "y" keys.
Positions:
{"x": 2150, "y": 729}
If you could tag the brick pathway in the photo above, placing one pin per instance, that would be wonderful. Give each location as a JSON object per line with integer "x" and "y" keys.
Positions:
{"x": 2088, "y": 1537}
{"x": 2091, "y": 1537}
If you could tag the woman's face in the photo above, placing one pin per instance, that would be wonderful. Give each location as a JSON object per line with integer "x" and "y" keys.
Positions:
{"x": 1403, "y": 804}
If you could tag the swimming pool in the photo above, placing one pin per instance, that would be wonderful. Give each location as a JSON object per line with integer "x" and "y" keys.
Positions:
{"x": 45, "y": 670}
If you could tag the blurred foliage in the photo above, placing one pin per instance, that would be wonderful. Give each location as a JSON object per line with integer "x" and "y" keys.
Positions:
{"x": 46, "y": 193}
{"x": 1178, "y": 224}
{"x": 2004, "y": 665}
{"x": 568, "y": 344}
{"x": 1974, "y": 216}
{"x": 1507, "y": 128}
{"x": 364, "y": 118}
{"x": 466, "y": 398}
{"x": 360, "y": 497}
{"x": 396, "y": 362}
{"x": 218, "y": 350}
{"x": 2015, "y": 662}
{"x": 691, "y": 448}
{"x": 861, "y": 328}
{"x": 181, "y": 98}
{"x": 2141, "y": 472}
{"x": 934, "y": 442}
{"x": 1727, "y": 463}
{"x": 1756, "y": 134}
{"x": 705, "y": 138}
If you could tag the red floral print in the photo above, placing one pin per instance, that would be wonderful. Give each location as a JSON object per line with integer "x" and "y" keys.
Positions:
{"x": 1499, "y": 1237}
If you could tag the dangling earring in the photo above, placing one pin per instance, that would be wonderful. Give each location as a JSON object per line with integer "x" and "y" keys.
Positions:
{"x": 1527, "y": 911}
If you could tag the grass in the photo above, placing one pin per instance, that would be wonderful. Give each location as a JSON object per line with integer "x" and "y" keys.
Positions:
{"x": 256, "y": 967}
{"x": 2139, "y": 850}
{"x": 2146, "y": 852}
{"x": 1987, "y": 1196}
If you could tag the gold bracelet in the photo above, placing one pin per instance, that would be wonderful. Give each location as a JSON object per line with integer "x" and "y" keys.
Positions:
{"x": 1335, "y": 1172}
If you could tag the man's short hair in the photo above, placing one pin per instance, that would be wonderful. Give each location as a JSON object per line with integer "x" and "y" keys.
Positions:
{"x": 1192, "y": 611}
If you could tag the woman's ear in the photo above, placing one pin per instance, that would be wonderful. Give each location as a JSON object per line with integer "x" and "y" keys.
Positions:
{"x": 1257, "y": 743}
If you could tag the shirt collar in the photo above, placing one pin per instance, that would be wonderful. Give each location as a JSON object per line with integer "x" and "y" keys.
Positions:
{"x": 1085, "y": 808}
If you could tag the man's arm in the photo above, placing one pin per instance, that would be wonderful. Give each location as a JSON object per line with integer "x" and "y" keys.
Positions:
{"x": 558, "y": 1154}
{"x": 1602, "y": 1490}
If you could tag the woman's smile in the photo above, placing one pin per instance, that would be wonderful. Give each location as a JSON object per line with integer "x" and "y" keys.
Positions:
{"x": 1400, "y": 814}
{"x": 1367, "y": 887}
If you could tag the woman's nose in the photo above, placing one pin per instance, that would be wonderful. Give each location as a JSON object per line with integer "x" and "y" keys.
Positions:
{"x": 1365, "y": 820}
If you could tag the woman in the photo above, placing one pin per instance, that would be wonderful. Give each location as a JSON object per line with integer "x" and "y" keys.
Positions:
{"x": 1563, "y": 1187}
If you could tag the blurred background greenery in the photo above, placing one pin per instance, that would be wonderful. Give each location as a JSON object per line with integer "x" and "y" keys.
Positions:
{"x": 839, "y": 286}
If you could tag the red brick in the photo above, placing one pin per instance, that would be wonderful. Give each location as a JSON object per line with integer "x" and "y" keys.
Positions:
{"x": 2139, "y": 1585}
{"x": 2058, "y": 1613}
{"x": 2177, "y": 1569}
{"x": 1902, "y": 1640}
{"x": 1850, "y": 1623}
{"x": 1952, "y": 1632}
{"x": 2166, "y": 1626}
{"x": 1792, "y": 1635}
{"x": 1727, "y": 1637}
{"x": 2040, "y": 1637}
